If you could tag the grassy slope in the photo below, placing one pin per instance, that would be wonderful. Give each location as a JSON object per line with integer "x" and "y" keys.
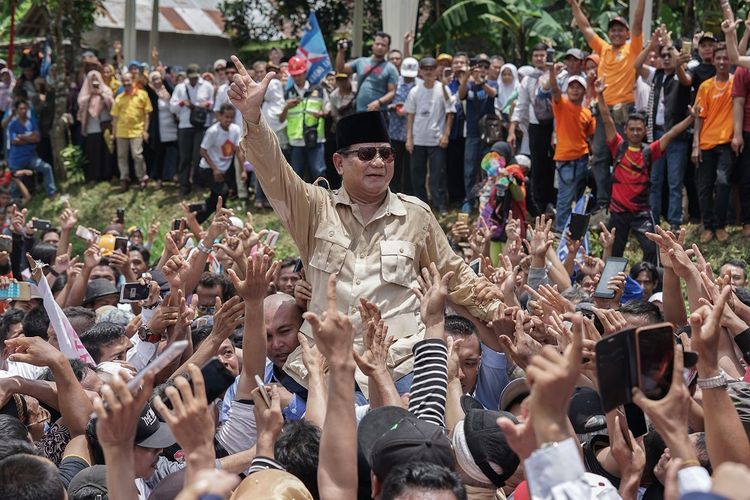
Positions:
{"x": 97, "y": 204}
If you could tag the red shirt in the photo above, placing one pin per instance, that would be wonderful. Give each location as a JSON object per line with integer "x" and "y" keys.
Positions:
{"x": 741, "y": 88}
{"x": 631, "y": 179}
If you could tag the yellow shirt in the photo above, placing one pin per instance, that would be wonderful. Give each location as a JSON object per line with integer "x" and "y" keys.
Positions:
{"x": 131, "y": 110}
{"x": 715, "y": 100}
{"x": 617, "y": 68}
{"x": 379, "y": 260}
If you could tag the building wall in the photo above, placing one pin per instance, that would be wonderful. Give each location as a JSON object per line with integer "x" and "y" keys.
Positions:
{"x": 174, "y": 48}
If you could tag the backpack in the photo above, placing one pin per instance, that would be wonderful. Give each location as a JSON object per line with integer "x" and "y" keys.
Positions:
{"x": 542, "y": 104}
{"x": 645, "y": 152}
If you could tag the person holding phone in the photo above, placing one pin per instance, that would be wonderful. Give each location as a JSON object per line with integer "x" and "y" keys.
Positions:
{"x": 325, "y": 226}
{"x": 94, "y": 104}
{"x": 629, "y": 207}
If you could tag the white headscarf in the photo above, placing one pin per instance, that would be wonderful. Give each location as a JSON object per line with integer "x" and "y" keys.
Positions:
{"x": 506, "y": 90}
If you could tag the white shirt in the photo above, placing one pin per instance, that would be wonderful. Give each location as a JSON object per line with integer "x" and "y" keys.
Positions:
{"x": 202, "y": 93}
{"x": 429, "y": 107}
{"x": 523, "y": 113}
{"x": 273, "y": 105}
{"x": 167, "y": 124}
{"x": 221, "y": 145}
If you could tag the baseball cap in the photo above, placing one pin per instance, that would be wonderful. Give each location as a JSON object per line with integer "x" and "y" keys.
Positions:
{"x": 427, "y": 62}
{"x": 134, "y": 229}
{"x": 193, "y": 70}
{"x": 98, "y": 288}
{"x": 585, "y": 411}
{"x": 481, "y": 59}
{"x": 516, "y": 389}
{"x": 479, "y": 435}
{"x": 579, "y": 79}
{"x": 391, "y": 436}
{"x": 91, "y": 479}
{"x": 577, "y": 53}
{"x": 409, "y": 67}
{"x": 445, "y": 57}
{"x": 134, "y": 62}
{"x": 151, "y": 432}
{"x": 618, "y": 19}
{"x": 708, "y": 35}
{"x": 220, "y": 63}
{"x": 657, "y": 297}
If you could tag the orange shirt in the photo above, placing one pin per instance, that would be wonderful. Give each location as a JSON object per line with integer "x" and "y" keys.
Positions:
{"x": 617, "y": 68}
{"x": 574, "y": 124}
{"x": 715, "y": 100}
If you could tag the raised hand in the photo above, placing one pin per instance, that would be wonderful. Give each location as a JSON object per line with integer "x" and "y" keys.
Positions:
{"x": 376, "y": 339}
{"x": 246, "y": 94}
{"x": 333, "y": 331}
{"x": 432, "y": 293}
{"x": 259, "y": 273}
{"x": 228, "y": 316}
{"x": 68, "y": 218}
{"x": 600, "y": 86}
{"x": 522, "y": 347}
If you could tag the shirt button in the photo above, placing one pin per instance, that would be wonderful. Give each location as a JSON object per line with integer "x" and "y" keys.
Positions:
{"x": 361, "y": 256}
{"x": 400, "y": 250}
{"x": 358, "y": 281}
{"x": 330, "y": 233}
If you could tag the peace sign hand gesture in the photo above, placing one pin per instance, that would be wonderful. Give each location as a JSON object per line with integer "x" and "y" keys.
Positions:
{"x": 246, "y": 94}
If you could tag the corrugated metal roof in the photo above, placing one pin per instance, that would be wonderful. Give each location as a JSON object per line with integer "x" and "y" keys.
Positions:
{"x": 200, "y": 17}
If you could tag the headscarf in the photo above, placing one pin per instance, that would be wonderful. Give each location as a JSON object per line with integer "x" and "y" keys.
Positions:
{"x": 506, "y": 90}
{"x": 90, "y": 103}
{"x": 6, "y": 91}
{"x": 162, "y": 91}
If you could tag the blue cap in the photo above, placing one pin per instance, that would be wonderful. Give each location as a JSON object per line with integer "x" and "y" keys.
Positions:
{"x": 134, "y": 62}
{"x": 633, "y": 291}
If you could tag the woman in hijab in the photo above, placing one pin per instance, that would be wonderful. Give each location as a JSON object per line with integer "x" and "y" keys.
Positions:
{"x": 508, "y": 91}
{"x": 161, "y": 151}
{"x": 108, "y": 77}
{"x": 7, "y": 82}
{"x": 94, "y": 103}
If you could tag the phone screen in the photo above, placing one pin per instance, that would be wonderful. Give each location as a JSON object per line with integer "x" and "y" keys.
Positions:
{"x": 612, "y": 267}
{"x": 579, "y": 224}
{"x": 655, "y": 356}
{"x": 176, "y": 224}
{"x": 121, "y": 244}
{"x": 216, "y": 380}
{"x": 133, "y": 292}
{"x": 612, "y": 362}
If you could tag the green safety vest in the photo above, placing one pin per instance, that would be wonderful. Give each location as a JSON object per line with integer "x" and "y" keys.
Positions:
{"x": 296, "y": 116}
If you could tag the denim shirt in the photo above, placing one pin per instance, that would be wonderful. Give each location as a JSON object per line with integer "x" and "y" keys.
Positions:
{"x": 397, "y": 124}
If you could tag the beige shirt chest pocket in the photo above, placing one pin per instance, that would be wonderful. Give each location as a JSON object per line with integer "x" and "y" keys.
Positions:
{"x": 330, "y": 249}
{"x": 397, "y": 262}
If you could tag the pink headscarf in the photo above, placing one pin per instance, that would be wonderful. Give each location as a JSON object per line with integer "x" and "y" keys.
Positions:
{"x": 90, "y": 103}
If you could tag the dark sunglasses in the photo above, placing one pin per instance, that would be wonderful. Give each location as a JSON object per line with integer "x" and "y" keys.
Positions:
{"x": 368, "y": 153}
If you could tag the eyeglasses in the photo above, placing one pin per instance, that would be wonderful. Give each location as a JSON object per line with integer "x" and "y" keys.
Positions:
{"x": 368, "y": 153}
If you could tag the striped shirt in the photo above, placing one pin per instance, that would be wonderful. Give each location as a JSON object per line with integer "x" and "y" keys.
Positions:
{"x": 430, "y": 384}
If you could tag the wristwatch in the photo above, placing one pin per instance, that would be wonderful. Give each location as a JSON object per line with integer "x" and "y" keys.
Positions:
{"x": 719, "y": 380}
{"x": 203, "y": 248}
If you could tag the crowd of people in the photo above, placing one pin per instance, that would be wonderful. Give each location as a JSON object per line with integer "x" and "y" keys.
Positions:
{"x": 390, "y": 358}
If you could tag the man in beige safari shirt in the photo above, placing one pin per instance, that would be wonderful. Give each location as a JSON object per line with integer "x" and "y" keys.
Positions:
{"x": 376, "y": 241}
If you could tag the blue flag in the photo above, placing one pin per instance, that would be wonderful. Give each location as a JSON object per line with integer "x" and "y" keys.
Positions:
{"x": 312, "y": 47}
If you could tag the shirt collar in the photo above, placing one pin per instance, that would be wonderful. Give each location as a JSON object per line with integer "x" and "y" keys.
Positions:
{"x": 392, "y": 204}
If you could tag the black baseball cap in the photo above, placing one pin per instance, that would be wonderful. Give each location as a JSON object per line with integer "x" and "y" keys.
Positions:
{"x": 428, "y": 62}
{"x": 585, "y": 411}
{"x": 151, "y": 432}
{"x": 391, "y": 436}
{"x": 707, "y": 35}
{"x": 488, "y": 446}
{"x": 91, "y": 479}
{"x": 620, "y": 20}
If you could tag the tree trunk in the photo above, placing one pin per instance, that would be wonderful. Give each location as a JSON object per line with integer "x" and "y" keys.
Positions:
{"x": 59, "y": 135}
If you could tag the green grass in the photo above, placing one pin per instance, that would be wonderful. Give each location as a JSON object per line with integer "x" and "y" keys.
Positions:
{"x": 97, "y": 204}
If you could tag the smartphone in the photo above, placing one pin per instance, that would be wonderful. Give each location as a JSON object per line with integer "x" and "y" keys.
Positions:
{"x": 476, "y": 266}
{"x": 654, "y": 359}
{"x": 85, "y": 233}
{"x": 41, "y": 224}
{"x": 162, "y": 361}
{"x": 463, "y": 218}
{"x": 612, "y": 369}
{"x": 133, "y": 292}
{"x": 121, "y": 244}
{"x": 447, "y": 73}
{"x": 579, "y": 224}
{"x": 197, "y": 207}
{"x": 298, "y": 266}
{"x": 216, "y": 380}
{"x": 636, "y": 419}
{"x": 612, "y": 267}
{"x": 120, "y": 216}
{"x": 6, "y": 243}
{"x": 19, "y": 290}
{"x": 176, "y": 224}
{"x": 550, "y": 56}
{"x": 272, "y": 238}
{"x": 687, "y": 47}
{"x": 262, "y": 390}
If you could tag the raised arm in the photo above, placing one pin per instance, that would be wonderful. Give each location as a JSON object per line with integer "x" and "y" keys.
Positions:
{"x": 637, "y": 28}
{"x": 730, "y": 34}
{"x": 334, "y": 336}
{"x": 551, "y": 84}
{"x": 582, "y": 21}
{"x": 679, "y": 128}
{"x": 640, "y": 65}
{"x": 609, "y": 124}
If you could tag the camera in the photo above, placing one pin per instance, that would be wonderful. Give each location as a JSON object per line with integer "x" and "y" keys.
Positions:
{"x": 344, "y": 44}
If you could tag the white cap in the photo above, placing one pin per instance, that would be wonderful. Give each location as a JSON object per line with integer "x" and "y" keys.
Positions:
{"x": 409, "y": 67}
{"x": 523, "y": 161}
{"x": 657, "y": 297}
{"x": 220, "y": 63}
{"x": 579, "y": 79}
